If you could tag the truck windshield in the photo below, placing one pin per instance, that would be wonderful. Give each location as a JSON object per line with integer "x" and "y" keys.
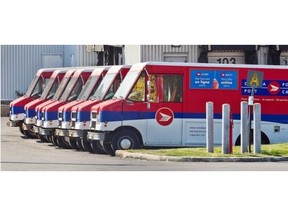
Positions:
{"x": 127, "y": 84}
{"x": 50, "y": 88}
{"x": 90, "y": 85}
{"x": 37, "y": 87}
{"x": 59, "y": 91}
{"x": 103, "y": 87}
{"x": 72, "y": 90}
{"x": 32, "y": 85}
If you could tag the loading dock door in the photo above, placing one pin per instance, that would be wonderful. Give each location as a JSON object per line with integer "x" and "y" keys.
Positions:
{"x": 52, "y": 61}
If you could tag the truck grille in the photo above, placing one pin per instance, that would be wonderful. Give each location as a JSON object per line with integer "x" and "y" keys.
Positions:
{"x": 73, "y": 124}
{"x": 93, "y": 124}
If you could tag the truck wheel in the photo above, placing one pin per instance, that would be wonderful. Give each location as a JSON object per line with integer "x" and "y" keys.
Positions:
{"x": 54, "y": 140}
{"x": 73, "y": 144}
{"x": 29, "y": 134}
{"x": 43, "y": 138}
{"x": 97, "y": 148}
{"x": 21, "y": 130}
{"x": 124, "y": 140}
{"x": 108, "y": 149}
{"x": 86, "y": 145}
{"x": 49, "y": 138}
{"x": 79, "y": 144}
{"x": 63, "y": 143}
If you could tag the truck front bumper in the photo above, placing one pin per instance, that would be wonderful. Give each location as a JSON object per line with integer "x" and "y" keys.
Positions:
{"x": 45, "y": 131}
{"x": 62, "y": 132}
{"x": 78, "y": 133}
{"x": 30, "y": 121}
{"x": 96, "y": 136}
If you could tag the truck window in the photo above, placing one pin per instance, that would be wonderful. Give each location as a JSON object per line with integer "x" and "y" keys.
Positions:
{"x": 61, "y": 87}
{"x": 42, "y": 82}
{"x": 113, "y": 88}
{"x": 138, "y": 91}
{"x": 76, "y": 91}
{"x": 50, "y": 88}
{"x": 166, "y": 88}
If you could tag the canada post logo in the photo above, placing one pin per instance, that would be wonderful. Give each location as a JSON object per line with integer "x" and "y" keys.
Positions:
{"x": 164, "y": 116}
{"x": 268, "y": 88}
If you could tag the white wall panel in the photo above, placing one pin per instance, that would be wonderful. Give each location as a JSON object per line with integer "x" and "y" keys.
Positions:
{"x": 158, "y": 52}
{"x": 132, "y": 54}
{"x": 19, "y": 64}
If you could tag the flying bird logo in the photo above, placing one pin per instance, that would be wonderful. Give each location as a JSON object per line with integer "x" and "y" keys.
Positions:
{"x": 164, "y": 116}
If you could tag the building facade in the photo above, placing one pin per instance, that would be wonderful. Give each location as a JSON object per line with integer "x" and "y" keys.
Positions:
{"x": 19, "y": 63}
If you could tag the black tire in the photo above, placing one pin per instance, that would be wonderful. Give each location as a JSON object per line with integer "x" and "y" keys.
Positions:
{"x": 43, "y": 138}
{"x": 108, "y": 149}
{"x": 73, "y": 143}
{"x": 86, "y": 145}
{"x": 63, "y": 143}
{"x": 29, "y": 134}
{"x": 97, "y": 147}
{"x": 79, "y": 144}
{"x": 49, "y": 138}
{"x": 53, "y": 139}
{"x": 21, "y": 129}
{"x": 124, "y": 140}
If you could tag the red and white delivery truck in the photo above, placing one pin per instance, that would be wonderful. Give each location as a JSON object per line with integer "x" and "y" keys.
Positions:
{"x": 39, "y": 108}
{"x": 48, "y": 93}
{"x": 17, "y": 112}
{"x": 164, "y": 105}
{"x": 50, "y": 112}
{"x": 80, "y": 114}
{"x": 64, "y": 112}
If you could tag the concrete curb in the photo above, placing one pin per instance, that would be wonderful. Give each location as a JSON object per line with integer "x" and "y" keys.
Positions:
{"x": 124, "y": 154}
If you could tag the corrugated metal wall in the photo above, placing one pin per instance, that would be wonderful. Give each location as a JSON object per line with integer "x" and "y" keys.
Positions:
{"x": 19, "y": 64}
{"x": 86, "y": 58}
{"x": 157, "y": 52}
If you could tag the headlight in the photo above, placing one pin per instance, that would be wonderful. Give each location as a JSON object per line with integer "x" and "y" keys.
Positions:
{"x": 93, "y": 115}
{"x": 60, "y": 115}
{"x": 73, "y": 115}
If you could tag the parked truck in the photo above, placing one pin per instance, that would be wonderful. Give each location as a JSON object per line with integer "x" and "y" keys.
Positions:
{"x": 39, "y": 108}
{"x": 50, "y": 112}
{"x": 164, "y": 105}
{"x": 80, "y": 114}
{"x": 48, "y": 93}
{"x": 17, "y": 112}
{"x": 64, "y": 111}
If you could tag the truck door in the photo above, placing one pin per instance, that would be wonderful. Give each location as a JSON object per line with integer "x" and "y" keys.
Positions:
{"x": 165, "y": 103}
